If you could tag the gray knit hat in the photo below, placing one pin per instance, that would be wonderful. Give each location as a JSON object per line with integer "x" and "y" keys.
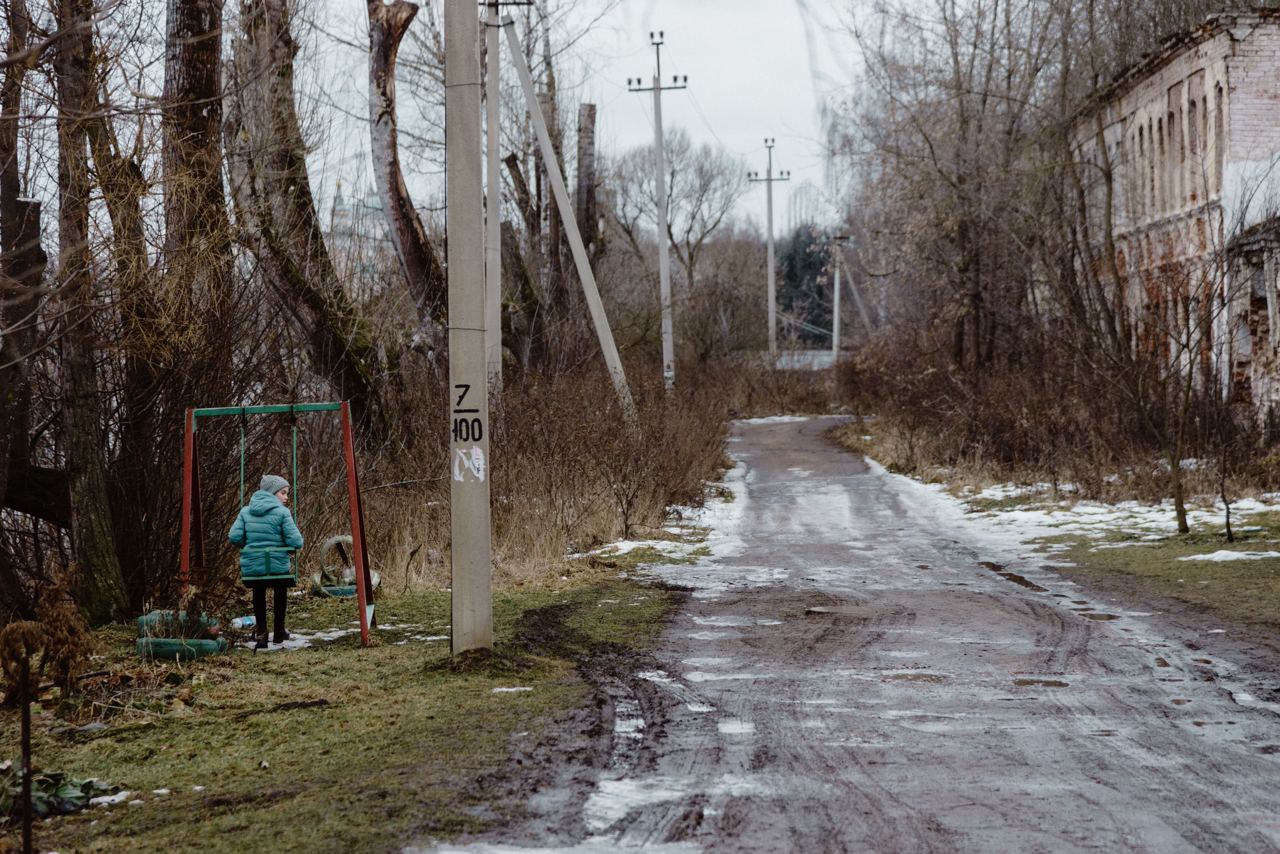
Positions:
{"x": 272, "y": 483}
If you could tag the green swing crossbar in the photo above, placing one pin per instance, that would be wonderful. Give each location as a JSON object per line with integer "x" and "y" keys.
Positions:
{"x": 192, "y": 545}
{"x": 272, "y": 409}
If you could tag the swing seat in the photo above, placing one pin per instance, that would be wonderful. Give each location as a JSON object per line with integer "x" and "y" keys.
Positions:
{"x": 267, "y": 564}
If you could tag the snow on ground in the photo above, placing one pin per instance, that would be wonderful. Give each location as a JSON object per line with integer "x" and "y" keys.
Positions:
{"x": 1220, "y": 556}
{"x": 1094, "y": 519}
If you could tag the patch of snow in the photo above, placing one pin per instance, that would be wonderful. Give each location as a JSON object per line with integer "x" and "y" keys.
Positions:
{"x": 654, "y": 676}
{"x": 732, "y": 726}
{"x": 726, "y": 621}
{"x": 710, "y": 636}
{"x": 1244, "y": 698}
{"x": 302, "y": 640}
{"x": 111, "y": 800}
{"x": 702, "y": 676}
{"x": 774, "y": 419}
{"x": 614, "y": 799}
{"x": 516, "y": 689}
{"x": 1226, "y": 555}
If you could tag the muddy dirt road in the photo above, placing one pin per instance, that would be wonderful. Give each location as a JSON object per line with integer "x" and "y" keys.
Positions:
{"x": 861, "y": 667}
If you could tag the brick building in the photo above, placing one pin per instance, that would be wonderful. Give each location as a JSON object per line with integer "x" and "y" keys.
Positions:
{"x": 1192, "y": 136}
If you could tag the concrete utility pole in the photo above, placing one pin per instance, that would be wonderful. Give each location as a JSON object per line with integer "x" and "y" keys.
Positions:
{"x": 836, "y": 242}
{"x": 493, "y": 201}
{"x": 769, "y": 180}
{"x": 469, "y": 512}
{"x": 660, "y": 169}
{"x": 556, "y": 178}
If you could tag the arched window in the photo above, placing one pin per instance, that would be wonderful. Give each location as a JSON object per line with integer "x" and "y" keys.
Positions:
{"x": 1162, "y": 170}
{"x": 1219, "y": 138}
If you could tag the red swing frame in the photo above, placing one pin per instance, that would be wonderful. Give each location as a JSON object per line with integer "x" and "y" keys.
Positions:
{"x": 192, "y": 519}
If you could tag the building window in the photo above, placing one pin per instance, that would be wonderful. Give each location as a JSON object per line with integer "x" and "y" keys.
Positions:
{"x": 1219, "y": 139}
{"x": 1162, "y": 170}
{"x": 1193, "y": 147}
{"x": 1139, "y": 167}
{"x": 1151, "y": 170}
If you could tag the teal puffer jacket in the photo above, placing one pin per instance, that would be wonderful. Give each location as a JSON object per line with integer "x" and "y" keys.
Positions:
{"x": 266, "y": 534}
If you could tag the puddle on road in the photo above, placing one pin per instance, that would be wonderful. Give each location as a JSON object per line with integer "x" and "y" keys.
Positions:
{"x": 1017, "y": 579}
{"x": 700, "y": 676}
{"x": 712, "y": 636}
{"x": 1041, "y": 683}
{"x": 932, "y": 678}
{"x": 861, "y": 612}
{"x": 736, "y": 727}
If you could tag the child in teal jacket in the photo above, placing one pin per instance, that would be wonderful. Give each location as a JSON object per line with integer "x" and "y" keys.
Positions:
{"x": 266, "y": 534}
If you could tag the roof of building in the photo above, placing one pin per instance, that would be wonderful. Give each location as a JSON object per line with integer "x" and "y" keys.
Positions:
{"x": 1173, "y": 46}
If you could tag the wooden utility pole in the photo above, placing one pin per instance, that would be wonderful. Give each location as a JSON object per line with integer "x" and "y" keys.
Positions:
{"x": 660, "y": 182}
{"x": 469, "y": 465}
{"x": 769, "y": 180}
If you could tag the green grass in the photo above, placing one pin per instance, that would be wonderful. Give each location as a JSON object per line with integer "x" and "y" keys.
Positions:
{"x": 1246, "y": 591}
{"x": 336, "y": 747}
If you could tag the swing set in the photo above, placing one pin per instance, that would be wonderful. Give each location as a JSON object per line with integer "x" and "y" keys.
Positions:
{"x": 192, "y": 517}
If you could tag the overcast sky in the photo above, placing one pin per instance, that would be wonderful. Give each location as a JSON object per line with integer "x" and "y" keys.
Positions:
{"x": 756, "y": 68}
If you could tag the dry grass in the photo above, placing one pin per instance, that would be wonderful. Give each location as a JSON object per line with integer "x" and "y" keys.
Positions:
{"x": 566, "y": 477}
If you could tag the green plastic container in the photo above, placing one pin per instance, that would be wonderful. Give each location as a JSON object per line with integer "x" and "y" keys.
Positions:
{"x": 170, "y": 625}
{"x": 179, "y": 649}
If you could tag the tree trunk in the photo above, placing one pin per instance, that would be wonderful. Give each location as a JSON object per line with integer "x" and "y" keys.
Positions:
{"x": 91, "y": 528}
{"x": 588, "y": 219}
{"x": 152, "y": 339}
{"x": 277, "y": 216}
{"x": 197, "y": 259}
{"x": 21, "y": 272}
{"x": 22, "y": 263}
{"x": 554, "y": 290}
{"x": 388, "y": 22}
{"x": 197, "y": 231}
{"x": 532, "y": 349}
{"x": 1179, "y": 494}
{"x": 524, "y": 198}
{"x": 528, "y": 337}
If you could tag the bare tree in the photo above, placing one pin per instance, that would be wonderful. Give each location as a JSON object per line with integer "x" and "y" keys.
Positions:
{"x": 276, "y": 212}
{"x": 388, "y": 23}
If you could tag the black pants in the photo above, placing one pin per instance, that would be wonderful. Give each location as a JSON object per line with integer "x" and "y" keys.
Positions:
{"x": 260, "y": 607}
